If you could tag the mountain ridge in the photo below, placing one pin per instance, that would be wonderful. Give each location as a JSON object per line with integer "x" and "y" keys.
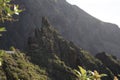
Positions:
{"x": 56, "y": 58}
{"x": 47, "y": 43}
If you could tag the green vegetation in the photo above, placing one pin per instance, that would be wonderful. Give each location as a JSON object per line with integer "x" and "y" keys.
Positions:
{"x": 51, "y": 52}
{"x": 1, "y": 55}
{"x": 110, "y": 61}
{"x": 17, "y": 67}
{"x": 82, "y": 74}
{"x": 48, "y": 49}
{"x": 7, "y": 10}
{"x": 52, "y": 64}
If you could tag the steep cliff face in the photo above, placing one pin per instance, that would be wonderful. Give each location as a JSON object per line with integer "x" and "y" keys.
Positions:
{"x": 46, "y": 45}
{"x": 72, "y": 22}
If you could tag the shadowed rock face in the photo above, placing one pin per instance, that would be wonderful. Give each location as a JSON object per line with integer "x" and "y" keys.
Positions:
{"x": 73, "y": 23}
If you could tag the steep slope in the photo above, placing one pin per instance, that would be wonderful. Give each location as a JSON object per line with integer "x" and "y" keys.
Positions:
{"x": 110, "y": 61}
{"x": 72, "y": 22}
{"x": 16, "y": 66}
{"x": 47, "y": 46}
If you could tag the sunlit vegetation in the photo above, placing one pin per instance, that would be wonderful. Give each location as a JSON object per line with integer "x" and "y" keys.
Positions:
{"x": 7, "y": 10}
{"x": 83, "y": 74}
{"x": 1, "y": 55}
{"x": 17, "y": 67}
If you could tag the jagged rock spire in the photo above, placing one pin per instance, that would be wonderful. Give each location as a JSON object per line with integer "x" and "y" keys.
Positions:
{"x": 45, "y": 22}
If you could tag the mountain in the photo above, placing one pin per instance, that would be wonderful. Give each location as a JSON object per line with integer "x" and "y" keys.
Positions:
{"x": 49, "y": 56}
{"x": 48, "y": 49}
{"x": 72, "y": 22}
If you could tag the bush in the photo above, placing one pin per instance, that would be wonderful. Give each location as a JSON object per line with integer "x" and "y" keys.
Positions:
{"x": 82, "y": 74}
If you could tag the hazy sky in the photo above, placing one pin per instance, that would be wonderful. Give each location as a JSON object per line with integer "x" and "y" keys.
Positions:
{"x": 105, "y": 10}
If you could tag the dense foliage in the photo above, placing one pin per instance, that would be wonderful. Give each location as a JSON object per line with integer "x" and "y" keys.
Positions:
{"x": 82, "y": 74}
{"x": 16, "y": 66}
{"x": 7, "y": 10}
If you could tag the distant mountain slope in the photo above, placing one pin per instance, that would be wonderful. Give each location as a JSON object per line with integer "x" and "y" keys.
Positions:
{"x": 72, "y": 22}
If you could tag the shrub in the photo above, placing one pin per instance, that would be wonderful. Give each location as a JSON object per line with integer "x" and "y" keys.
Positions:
{"x": 82, "y": 74}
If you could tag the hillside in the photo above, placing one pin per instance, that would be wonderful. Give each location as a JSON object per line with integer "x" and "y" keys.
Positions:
{"x": 46, "y": 44}
{"x": 110, "y": 61}
{"x": 49, "y": 56}
{"x": 17, "y": 67}
{"x": 72, "y": 22}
